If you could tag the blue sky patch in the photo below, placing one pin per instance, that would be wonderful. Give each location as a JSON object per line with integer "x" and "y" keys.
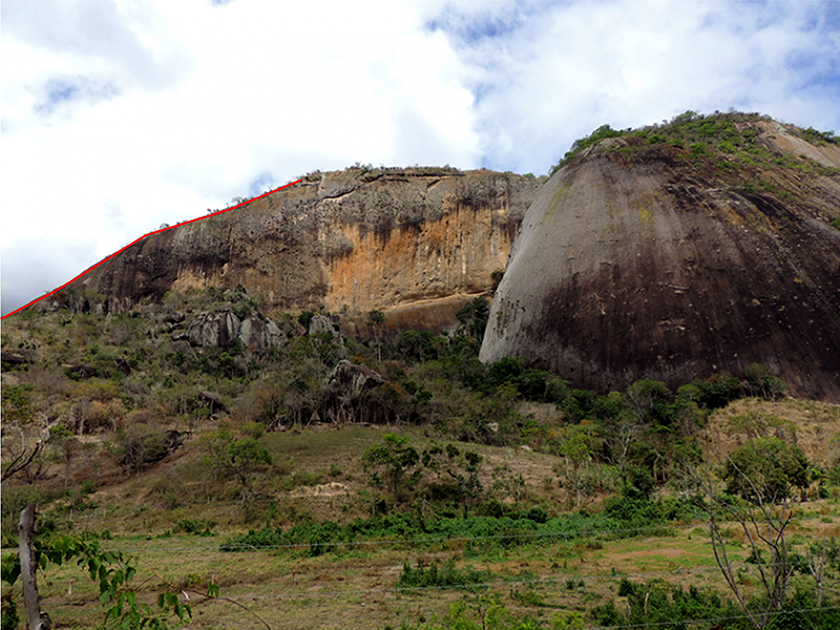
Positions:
{"x": 64, "y": 92}
{"x": 261, "y": 184}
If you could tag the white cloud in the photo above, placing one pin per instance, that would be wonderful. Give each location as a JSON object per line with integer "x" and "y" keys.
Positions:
{"x": 120, "y": 115}
{"x": 567, "y": 68}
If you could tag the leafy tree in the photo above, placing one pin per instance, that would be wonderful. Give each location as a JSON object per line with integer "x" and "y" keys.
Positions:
{"x": 305, "y": 318}
{"x": 110, "y": 570}
{"x": 375, "y": 319}
{"x": 577, "y": 444}
{"x": 473, "y": 317}
{"x": 390, "y": 463}
{"x": 602, "y": 132}
{"x": 761, "y": 382}
{"x": 766, "y": 469}
{"x": 227, "y": 455}
{"x": 455, "y": 475}
{"x": 761, "y": 472}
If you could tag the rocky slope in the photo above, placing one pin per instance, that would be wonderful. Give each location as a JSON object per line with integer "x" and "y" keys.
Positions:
{"x": 418, "y": 242}
{"x": 680, "y": 252}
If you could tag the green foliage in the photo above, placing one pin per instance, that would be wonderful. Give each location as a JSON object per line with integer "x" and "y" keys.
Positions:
{"x": 389, "y": 464}
{"x": 452, "y": 475}
{"x": 18, "y": 407}
{"x": 111, "y": 571}
{"x": 375, "y": 318}
{"x": 820, "y": 137}
{"x": 227, "y": 455}
{"x": 766, "y": 470}
{"x": 305, "y": 318}
{"x": 480, "y": 534}
{"x": 140, "y": 444}
{"x": 418, "y": 345}
{"x": 657, "y": 603}
{"x": 446, "y": 576}
{"x": 9, "y": 618}
{"x": 473, "y": 318}
{"x": 699, "y": 149}
{"x": 602, "y": 132}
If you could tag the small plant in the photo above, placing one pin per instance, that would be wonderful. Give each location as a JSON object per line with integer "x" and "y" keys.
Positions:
{"x": 441, "y": 577}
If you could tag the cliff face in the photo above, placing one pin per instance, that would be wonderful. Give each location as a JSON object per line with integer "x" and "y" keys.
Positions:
{"x": 392, "y": 239}
{"x": 642, "y": 259}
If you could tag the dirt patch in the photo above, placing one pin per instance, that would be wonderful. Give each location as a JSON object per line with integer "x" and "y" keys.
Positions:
{"x": 331, "y": 489}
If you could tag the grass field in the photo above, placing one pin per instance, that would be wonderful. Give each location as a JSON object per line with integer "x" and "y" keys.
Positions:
{"x": 173, "y": 518}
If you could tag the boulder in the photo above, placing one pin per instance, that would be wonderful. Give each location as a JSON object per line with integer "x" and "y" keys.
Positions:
{"x": 258, "y": 334}
{"x": 321, "y": 325}
{"x": 342, "y": 396}
{"x": 214, "y": 330}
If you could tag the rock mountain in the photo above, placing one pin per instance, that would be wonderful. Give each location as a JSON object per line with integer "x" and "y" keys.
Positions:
{"x": 417, "y": 243}
{"x": 671, "y": 252}
{"x": 678, "y": 253}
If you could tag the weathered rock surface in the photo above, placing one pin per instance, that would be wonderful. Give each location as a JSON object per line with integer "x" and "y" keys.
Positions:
{"x": 255, "y": 334}
{"x": 258, "y": 334}
{"x": 320, "y": 325}
{"x": 350, "y": 241}
{"x": 647, "y": 261}
{"x": 343, "y": 395}
{"x": 215, "y": 330}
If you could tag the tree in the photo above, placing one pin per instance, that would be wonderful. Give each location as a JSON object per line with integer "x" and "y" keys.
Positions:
{"x": 245, "y": 456}
{"x": 240, "y": 458}
{"x": 760, "y": 472}
{"x": 390, "y": 462}
{"x": 111, "y": 570}
{"x": 820, "y": 555}
{"x": 67, "y": 446}
{"x": 20, "y": 455}
{"x": 455, "y": 475}
{"x": 766, "y": 469}
{"x": 577, "y": 444}
{"x": 375, "y": 320}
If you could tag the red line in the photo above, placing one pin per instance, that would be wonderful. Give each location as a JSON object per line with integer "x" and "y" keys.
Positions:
{"x": 89, "y": 269}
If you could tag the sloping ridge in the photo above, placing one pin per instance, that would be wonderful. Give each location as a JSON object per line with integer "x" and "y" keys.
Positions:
{"x": 650, "y": 260}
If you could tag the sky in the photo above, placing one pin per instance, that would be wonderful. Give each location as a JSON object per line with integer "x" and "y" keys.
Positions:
{"x": 118, "y": 116}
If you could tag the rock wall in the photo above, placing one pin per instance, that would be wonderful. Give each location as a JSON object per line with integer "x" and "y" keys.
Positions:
{"x": 350, "y": 241}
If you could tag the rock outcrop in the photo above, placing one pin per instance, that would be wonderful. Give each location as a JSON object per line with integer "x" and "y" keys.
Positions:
{"x": 349, "y": 241}
{"x": 643, "y": 259}
{"x": 255, "y": 334}
{"x": 214, "y": 330}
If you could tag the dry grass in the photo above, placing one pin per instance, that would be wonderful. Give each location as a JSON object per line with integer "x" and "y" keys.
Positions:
{"x": 356, "y": 588}
{"x": 815, "y": 424}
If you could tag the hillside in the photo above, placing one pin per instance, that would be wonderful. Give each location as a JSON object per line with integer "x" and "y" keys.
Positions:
{"x": 672, "y": 252}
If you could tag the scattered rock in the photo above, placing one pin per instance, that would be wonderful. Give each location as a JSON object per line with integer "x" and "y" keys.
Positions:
{"x": 12, "y": 360}
{"x": 345, "y": 386}
{"x": 175, "y": 317}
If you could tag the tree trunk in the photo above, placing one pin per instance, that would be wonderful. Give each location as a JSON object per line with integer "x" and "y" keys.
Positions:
{"x": 28, "y": 567}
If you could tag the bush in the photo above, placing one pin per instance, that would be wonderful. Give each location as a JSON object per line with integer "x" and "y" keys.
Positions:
{"x": 602, "y": 132}
{"x": 444, "y": 577}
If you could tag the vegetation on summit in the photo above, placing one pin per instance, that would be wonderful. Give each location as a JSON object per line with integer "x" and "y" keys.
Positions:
{"x": 727, "y": 134}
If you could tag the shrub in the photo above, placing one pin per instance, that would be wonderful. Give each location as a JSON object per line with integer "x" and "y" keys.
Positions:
{"x": 602, "y": 132}
{"x": 441, "y": 577}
